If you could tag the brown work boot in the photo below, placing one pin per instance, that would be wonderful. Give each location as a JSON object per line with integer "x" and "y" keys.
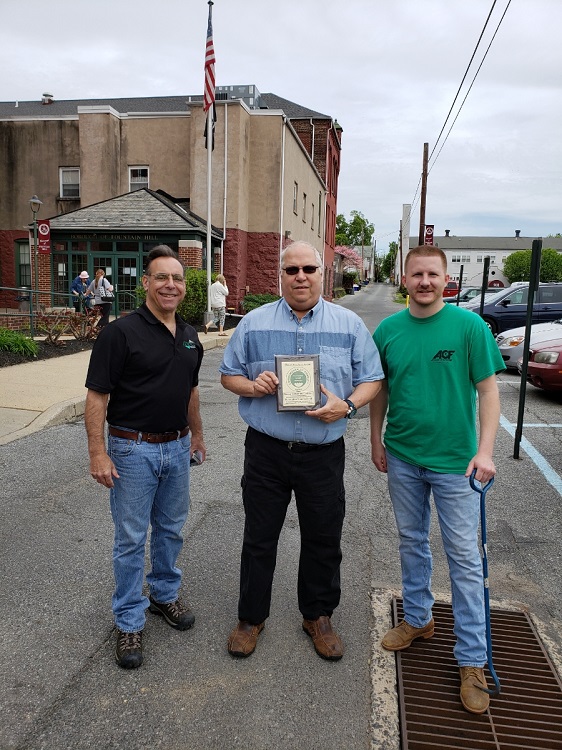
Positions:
{"x": 473, "y": 684}
{"x": 402, "y": 635}
{"x": 243, "y": 639}
{"x": 325, "y": 640}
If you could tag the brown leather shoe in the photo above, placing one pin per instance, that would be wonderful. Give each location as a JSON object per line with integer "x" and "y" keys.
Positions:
{"x": 326, "y": 641}
{"x": 243, "y": 639}
{"x": 403, "y": 634}
{"x": 473, "y": 684}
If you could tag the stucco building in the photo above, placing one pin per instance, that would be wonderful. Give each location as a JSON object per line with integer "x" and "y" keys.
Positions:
{"x": 275, "y": 169}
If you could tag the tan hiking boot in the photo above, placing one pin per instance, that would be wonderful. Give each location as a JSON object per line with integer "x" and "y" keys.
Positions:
{"x": 403, "y": 634}
{"x": 473, "y": 684}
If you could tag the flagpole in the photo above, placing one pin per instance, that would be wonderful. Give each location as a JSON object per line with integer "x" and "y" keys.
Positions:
{"x": 209, "y": 203}
{"x": 209, "y": 109}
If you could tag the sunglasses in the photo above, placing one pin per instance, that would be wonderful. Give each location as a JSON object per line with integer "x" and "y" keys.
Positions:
{"x": 293, "y": 270}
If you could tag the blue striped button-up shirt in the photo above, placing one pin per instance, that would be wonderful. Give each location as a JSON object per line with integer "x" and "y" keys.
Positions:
{"x": 347, "y": 353}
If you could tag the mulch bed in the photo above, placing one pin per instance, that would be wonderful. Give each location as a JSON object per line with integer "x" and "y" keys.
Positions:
{"x": 72, "y": 346}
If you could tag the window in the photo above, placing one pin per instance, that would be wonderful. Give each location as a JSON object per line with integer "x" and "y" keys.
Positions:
{"x": 304, "y": 206}
{"x": 465, "y": 258}
{"x": 138, "y": 178}
{"x": 479, "y": 259}
{"x": 455, "y": 258}
{"x": 319, "y": 211}
{"x": 295, "y": 197}
{"x": 312, "y": 217}
{"x": 549, "y": 295}
{"x": 69, "y": 182}
{"x": 23, "y": 264}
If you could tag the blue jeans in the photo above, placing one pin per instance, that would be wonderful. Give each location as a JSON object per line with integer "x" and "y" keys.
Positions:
{"x": 458, "y": 509}
{"x": 153, "y": 488}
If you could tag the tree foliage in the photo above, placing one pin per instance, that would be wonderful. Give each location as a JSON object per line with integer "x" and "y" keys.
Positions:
{"x": 387, "y": 265}
{"x": 517, "y": 266}
{"x": 357, "y": 231}
{"x": 352, "y": 258}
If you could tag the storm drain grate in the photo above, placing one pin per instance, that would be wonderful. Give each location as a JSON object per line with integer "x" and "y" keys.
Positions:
{"x": 527, "y": 715}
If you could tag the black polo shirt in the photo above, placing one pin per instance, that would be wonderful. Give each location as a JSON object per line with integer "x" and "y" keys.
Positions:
{"x": 148, "y": 374}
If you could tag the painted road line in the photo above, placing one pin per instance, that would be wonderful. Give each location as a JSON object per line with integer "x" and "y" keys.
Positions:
{"x": 537, "y": 458}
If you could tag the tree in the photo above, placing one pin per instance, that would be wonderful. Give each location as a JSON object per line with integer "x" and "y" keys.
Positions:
{"x": 387, "y": 265}
{"x": 355, "y": 232}
{"x": 517, "y": 266}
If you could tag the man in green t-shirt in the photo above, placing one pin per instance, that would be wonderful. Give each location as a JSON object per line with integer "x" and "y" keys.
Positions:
{"x": 436, "y": 358}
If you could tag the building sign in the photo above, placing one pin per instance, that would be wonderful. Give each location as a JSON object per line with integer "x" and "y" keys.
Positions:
{"x": 44, "y": 236}
{"x": 428, "y": 240}
{"x": 116, "y": 237}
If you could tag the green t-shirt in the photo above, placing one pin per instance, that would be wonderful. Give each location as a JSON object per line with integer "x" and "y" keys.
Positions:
{"x": 432, "y": 366}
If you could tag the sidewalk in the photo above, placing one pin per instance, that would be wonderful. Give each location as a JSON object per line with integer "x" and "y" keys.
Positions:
{"x": 35, "y": 395}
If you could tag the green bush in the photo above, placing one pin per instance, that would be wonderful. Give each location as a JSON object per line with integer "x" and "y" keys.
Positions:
{"x": 251, "y": 301}
{"x": 339, "y": 291}
{"x": 349, "y": 278}
{"x": 194, "y": 303}
{"x": 13, "y": 341}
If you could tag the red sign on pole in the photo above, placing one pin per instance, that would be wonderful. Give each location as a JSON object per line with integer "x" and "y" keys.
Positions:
{"x": 44, "y": 236}
{"x": 428, "y": 240}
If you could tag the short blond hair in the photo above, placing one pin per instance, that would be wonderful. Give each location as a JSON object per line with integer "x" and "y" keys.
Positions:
{"x": 426, "y": 251}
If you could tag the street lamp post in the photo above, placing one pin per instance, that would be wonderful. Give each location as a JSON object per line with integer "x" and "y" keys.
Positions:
{"x": 35, "y": 204}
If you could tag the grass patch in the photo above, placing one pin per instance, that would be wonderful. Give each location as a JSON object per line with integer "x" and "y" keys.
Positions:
{"x": 17, "y": 343}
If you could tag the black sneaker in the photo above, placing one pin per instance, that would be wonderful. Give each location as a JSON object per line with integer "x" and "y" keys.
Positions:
{"x": 128, "y": 653}
{"x": 175, "y": 614}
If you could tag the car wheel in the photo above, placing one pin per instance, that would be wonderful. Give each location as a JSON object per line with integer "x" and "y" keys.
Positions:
{"x": 491, "y": 325}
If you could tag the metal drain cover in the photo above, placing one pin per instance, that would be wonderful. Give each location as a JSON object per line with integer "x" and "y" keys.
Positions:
{"x": 527, "y": 715}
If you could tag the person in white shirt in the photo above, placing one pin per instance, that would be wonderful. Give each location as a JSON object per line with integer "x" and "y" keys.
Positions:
{"x": 219, "y": 293}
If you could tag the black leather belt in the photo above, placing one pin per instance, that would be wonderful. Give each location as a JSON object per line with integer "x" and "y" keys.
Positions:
{"x": 295, "y": 446}
{"x": 149, "y": 437}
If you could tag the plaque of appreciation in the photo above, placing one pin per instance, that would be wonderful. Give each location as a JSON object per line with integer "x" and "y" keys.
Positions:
{"x": 299, "y": 382}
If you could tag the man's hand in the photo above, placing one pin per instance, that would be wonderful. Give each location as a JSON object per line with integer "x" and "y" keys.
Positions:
{"x": 103, "y": 469}
{"x": 485, "y": 468}
{"x": 265, "y": 384}
{"x": 335, "y": 408}
{"x": 378, "y": 456}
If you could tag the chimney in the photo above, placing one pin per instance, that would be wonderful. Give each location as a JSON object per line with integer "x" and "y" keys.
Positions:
{"x": 447, "y": 232}
{"x": 47, "y": 99}
{"x": 517, "y": 232}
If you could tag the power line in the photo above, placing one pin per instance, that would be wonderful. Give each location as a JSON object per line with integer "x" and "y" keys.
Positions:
{"x": 464, "y": 77}
{"x": 470, "y": 87}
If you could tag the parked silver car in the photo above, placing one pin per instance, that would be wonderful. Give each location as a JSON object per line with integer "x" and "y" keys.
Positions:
{"x": 511, "y": 342}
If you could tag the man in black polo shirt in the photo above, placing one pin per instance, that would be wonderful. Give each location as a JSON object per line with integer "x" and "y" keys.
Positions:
{"x": 143, "y": 378}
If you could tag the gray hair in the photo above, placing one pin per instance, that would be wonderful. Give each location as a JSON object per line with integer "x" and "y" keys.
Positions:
{"x": 301, "y": 243}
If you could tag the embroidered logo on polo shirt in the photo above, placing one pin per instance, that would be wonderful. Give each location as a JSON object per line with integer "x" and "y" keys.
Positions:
{"x": 189, "y": 344}
{"x": 443, "y": 355}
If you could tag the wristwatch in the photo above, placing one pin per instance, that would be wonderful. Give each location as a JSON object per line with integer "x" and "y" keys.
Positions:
{"x": 352, "y": 411}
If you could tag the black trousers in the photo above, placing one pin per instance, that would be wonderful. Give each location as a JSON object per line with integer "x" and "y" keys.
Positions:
{"x": 272, "y": 471}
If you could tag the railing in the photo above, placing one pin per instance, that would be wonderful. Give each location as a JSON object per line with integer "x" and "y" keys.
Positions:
{"x": 24, "y": 309}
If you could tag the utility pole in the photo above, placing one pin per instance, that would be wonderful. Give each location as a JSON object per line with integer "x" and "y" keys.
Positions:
{"x": 421, "y": 235}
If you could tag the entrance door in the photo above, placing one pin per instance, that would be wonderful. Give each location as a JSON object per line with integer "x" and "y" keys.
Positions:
{"x": 128, "y": 279}
{"x": 123, "y": 272}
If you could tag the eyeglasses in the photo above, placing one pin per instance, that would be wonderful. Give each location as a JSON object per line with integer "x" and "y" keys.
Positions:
{"x": 177, "y": 277}
{"x": 293, "y": 270}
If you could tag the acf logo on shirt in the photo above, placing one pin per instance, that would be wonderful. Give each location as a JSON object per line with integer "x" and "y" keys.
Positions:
{"x": 443, "y": 355}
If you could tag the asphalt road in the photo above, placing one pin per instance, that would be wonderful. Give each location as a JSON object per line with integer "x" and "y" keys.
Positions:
{"x": 59, "y": 685}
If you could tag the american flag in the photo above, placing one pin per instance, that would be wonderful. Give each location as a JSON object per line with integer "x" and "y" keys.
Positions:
{"x": 209, "y": 96}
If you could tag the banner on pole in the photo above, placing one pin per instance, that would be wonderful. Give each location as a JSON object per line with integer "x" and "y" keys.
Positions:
{"x": 428, "y": 239}
{"x": 44, "y": 236}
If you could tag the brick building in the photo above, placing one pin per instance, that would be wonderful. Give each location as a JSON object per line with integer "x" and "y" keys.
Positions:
{"x": 274, "y": 179}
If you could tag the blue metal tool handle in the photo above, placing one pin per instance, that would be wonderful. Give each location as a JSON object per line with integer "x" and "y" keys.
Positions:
{"x": 482, "y": 490}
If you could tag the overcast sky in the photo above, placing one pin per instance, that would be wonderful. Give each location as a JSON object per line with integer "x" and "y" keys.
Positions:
{"x": 387, "y": 70}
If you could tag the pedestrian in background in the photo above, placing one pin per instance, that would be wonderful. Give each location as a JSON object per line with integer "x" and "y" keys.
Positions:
{"x": 436, "y": 358}
{"x": 143, "y": 378}
{"x": 79, "y": 289}
{"x": 101, "y": 289}
{"x": 296, "y": 451}
{"x": 217, "y": 298}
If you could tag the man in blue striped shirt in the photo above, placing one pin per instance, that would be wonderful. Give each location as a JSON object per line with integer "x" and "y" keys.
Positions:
{"x": 296, "y": 451}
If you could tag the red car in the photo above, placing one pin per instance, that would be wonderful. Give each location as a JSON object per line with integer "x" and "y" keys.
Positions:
{"x": 545, "y": 365}
{"x": 451, "y": 289}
